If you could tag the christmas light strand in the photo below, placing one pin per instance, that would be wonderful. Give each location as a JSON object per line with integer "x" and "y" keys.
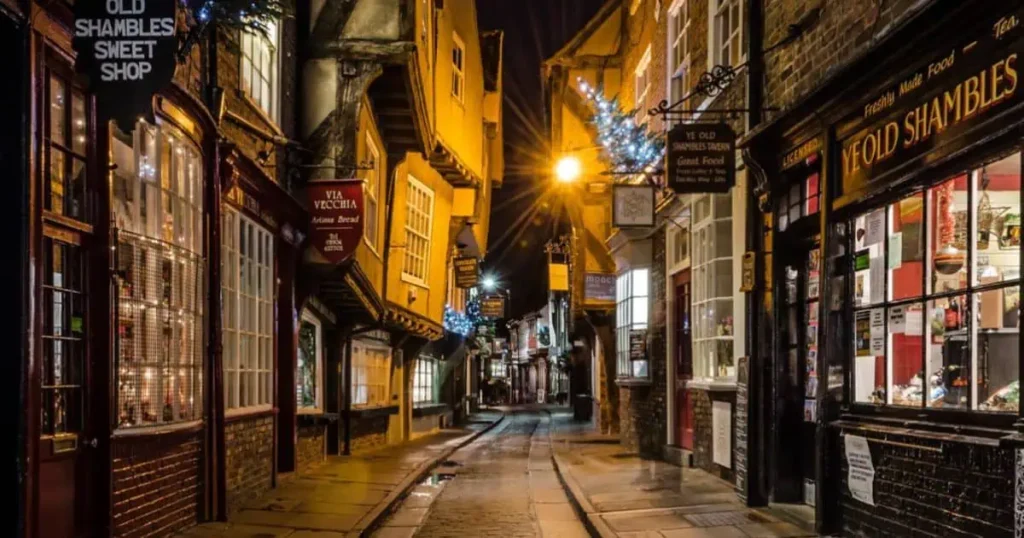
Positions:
{"x": 627, "y": 146}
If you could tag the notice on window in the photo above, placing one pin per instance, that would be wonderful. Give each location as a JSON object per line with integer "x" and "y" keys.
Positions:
{"x": 862, "y": 332}
{"x": 896, "y": 250}
{"x": 875, "y": 228}
{"x": 861, "y": 477}
{"x": 876, "y": 282}
{"x": 898, "y": 319}
{"x": 878, "y": 332}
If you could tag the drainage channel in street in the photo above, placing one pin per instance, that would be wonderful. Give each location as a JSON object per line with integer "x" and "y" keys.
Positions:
{"x": 412, "y": 510}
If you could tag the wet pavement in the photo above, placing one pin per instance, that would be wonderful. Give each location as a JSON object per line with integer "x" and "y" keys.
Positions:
{"x": 628, "y": 497}
{"x": 345, "y": 495}
{"x": 501, "y": 485}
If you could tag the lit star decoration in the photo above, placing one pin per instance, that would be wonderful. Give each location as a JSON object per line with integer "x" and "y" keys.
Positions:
{"x": 462, "y": 323}
{"x": 626, "y": 146}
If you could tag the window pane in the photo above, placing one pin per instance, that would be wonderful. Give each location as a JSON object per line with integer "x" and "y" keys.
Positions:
{"x": 949, "y": 356}
{"x": 998, "y": 221}
{"x": 906, "y": 248}
{"x": 997, "y": 349}
{"x": 906, "y": 347}
{"x": 869, "y": 356}
{"x": 948, "y": 224}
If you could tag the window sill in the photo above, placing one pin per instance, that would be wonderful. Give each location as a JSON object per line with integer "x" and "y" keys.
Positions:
{"x": 955, "y": 421}
{"x": 162, "y": 429}
{"x": 925, "y": 429}
{"x": 633, "y": 382}
{"x": 316, "y": 419}
{"x": 712, "y": 385}
{"x": 371, "y": 412}
{"x": 242, "y": 413}
{"x": 413, "y": 281}
{"x": 427, "y": 409}
{"x": 255, "y": 107}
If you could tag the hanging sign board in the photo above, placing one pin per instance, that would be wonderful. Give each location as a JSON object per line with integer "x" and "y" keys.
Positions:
{"x": 467, "y": 271}
{"x": 336, "y": 217}
{"x": 558, "y": 277}
{"x": 633, "y": 206}
{"x": 599, "y": 287}
{"x": 492, "y": 306}
{"x": 943, "y": 99}
{"x": 701, "y": 158}
{"x": 127, "y": 50}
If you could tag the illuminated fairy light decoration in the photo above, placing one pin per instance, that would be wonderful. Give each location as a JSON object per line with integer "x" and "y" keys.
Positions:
{"x": 462, "y": 323}
{"x": 254, "y": 16}
{"x": 626, "y": 146}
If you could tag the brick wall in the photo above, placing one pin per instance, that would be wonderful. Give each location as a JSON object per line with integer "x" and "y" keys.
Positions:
{"x": 311, "y": 448}
{"x": 961, "y": 490}
{"x": 249, "y": 459}
{"x": 157, "y": 484}
{"x": 369, "y": 432}
{"x": 844, "y": 31}
{"x": 703, "y": 431}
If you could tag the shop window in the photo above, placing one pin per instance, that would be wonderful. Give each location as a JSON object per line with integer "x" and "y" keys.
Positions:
{"x": 679, "y": 50}
{"x": 497, "y": 369}
{"x": 458, "y": 69}
{"x": 631, "y": 310}
{"x": 259, "y": 65}
{"x": 712, "y": 288}
{"x": 425, "y": 378}
{"x": 419, "y": 214}
{"x": 371, "y": 188}
{"x": 65, "y": 150}
{"x": 309, "y": 368}
{"x": 63, "y": 338}
{"x": 726, "y": 33}
{"x": 937, "y": 295}
{"x": 247, "y": 315}
{"x": 802, "y": 200}
{"x": 371, "y": 374}
{"x": 157, "y": 209}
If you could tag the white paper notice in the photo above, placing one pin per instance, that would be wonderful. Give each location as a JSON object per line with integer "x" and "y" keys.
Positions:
{"x": 898, "y": 319}
{"x": 875, "y": 228}
{"x": 877, "y": 322}
{"x": 721, "y": 431}
{"x": 877, "y": 280}
{"x": 861, "y": 478}
{"x": 877, "y": 346}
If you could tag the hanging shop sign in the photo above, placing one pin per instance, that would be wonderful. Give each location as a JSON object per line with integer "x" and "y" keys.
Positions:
{"x": 599, "y": 287}
{"x": 633, "y": 206}
{"x": 638, "y": 344}
{"x": 127, "y": 50}
{"x": 467, "y": 271}
{"x": 558, "y": 277}
{"x": 956, "y": 90}
{"x": 701, "y": 157}
{"x": 336, "y": 217}
{"x": 492, "y": 306}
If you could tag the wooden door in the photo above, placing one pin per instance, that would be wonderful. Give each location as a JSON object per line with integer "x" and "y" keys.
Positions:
{"x": 684, "y": 358}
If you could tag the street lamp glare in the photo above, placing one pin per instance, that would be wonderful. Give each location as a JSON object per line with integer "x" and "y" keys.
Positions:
{"x": 489, "y": 283}
{"x": 568, "y": 169}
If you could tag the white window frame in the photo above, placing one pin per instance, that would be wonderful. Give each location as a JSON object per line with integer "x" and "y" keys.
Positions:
{"x": 424, "y": 387}
{"x": 678, "y": 52}
{"x": 719, "y": 9}
{"x": 247, "y": 315}
{"x": 371, "y": 188}
{"x": 708, "y": 265}
{"x": 642, "y": 85}
{"x": 458, "y": 68}
{"x": 416, "y": 266}
{"x": 632, "y": 302}
{"x": 318, "y": 407}
{"x": 250, "y": 44}
{"x": 367, "y": 375}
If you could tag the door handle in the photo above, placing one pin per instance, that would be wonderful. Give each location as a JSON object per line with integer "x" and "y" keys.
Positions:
{"x": 93, "y": 443}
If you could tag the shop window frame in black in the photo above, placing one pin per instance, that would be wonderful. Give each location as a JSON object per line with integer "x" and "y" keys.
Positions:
{"x": 75, "y": 207}
{"x": 971, "y": 412}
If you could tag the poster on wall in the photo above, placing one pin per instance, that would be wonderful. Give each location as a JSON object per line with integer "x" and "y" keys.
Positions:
{"x": 633, "y": 206}
{"x": 127, "y": 50}
{"x": 861, "y": 477}
{"x": 701, "y": 157}
{"x": 721, "y": 431}
{"x": 336, "y": 217}
{"x": 467, "y": 271}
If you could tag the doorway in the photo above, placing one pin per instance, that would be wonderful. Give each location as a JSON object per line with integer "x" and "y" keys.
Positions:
{"x": 683, "y": 355}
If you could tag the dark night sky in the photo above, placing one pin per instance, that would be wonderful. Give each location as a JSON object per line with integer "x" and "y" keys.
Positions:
{"x": 522, "y": 218}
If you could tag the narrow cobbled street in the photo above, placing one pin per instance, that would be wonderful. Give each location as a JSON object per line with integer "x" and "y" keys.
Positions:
{"x": 502, "y": 484}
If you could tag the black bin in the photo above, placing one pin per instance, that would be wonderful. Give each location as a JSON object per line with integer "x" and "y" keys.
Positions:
{"x": 582, "y": 407}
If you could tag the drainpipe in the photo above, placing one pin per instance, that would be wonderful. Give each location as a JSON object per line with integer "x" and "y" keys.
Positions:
{"x": 347, "y": 402}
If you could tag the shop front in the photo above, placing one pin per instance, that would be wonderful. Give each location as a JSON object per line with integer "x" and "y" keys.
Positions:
{"x": 891, "y": 239}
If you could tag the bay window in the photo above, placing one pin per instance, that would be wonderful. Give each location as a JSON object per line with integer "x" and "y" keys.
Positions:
{"x": 309, "y": 373}
{"x": 157, "y": 208}
{"x": 424, "y": 380}
{"x": 371, "y": 373}
{"x": 419, "y": 214}
{"x": 247, "y": 292}
{"x": 259, "y": 65}
{"x": 713, "y": 305}
{"x": 631, "y": 309}
{"x": 936, "y": 295}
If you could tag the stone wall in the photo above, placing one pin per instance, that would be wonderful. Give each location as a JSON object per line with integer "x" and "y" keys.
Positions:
{"x": 369, "y": 432}
{"x": 311, "y": 448}
{"x": 703, "y": 431}
{"x": 931, "y": 487}
{"x": 249, "y": 459}
{"x": 157, "y": 484}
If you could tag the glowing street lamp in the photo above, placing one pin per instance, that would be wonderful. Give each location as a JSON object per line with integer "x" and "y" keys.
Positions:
{"x": 489, "y": 283}
{"x": 568, "y": 169}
